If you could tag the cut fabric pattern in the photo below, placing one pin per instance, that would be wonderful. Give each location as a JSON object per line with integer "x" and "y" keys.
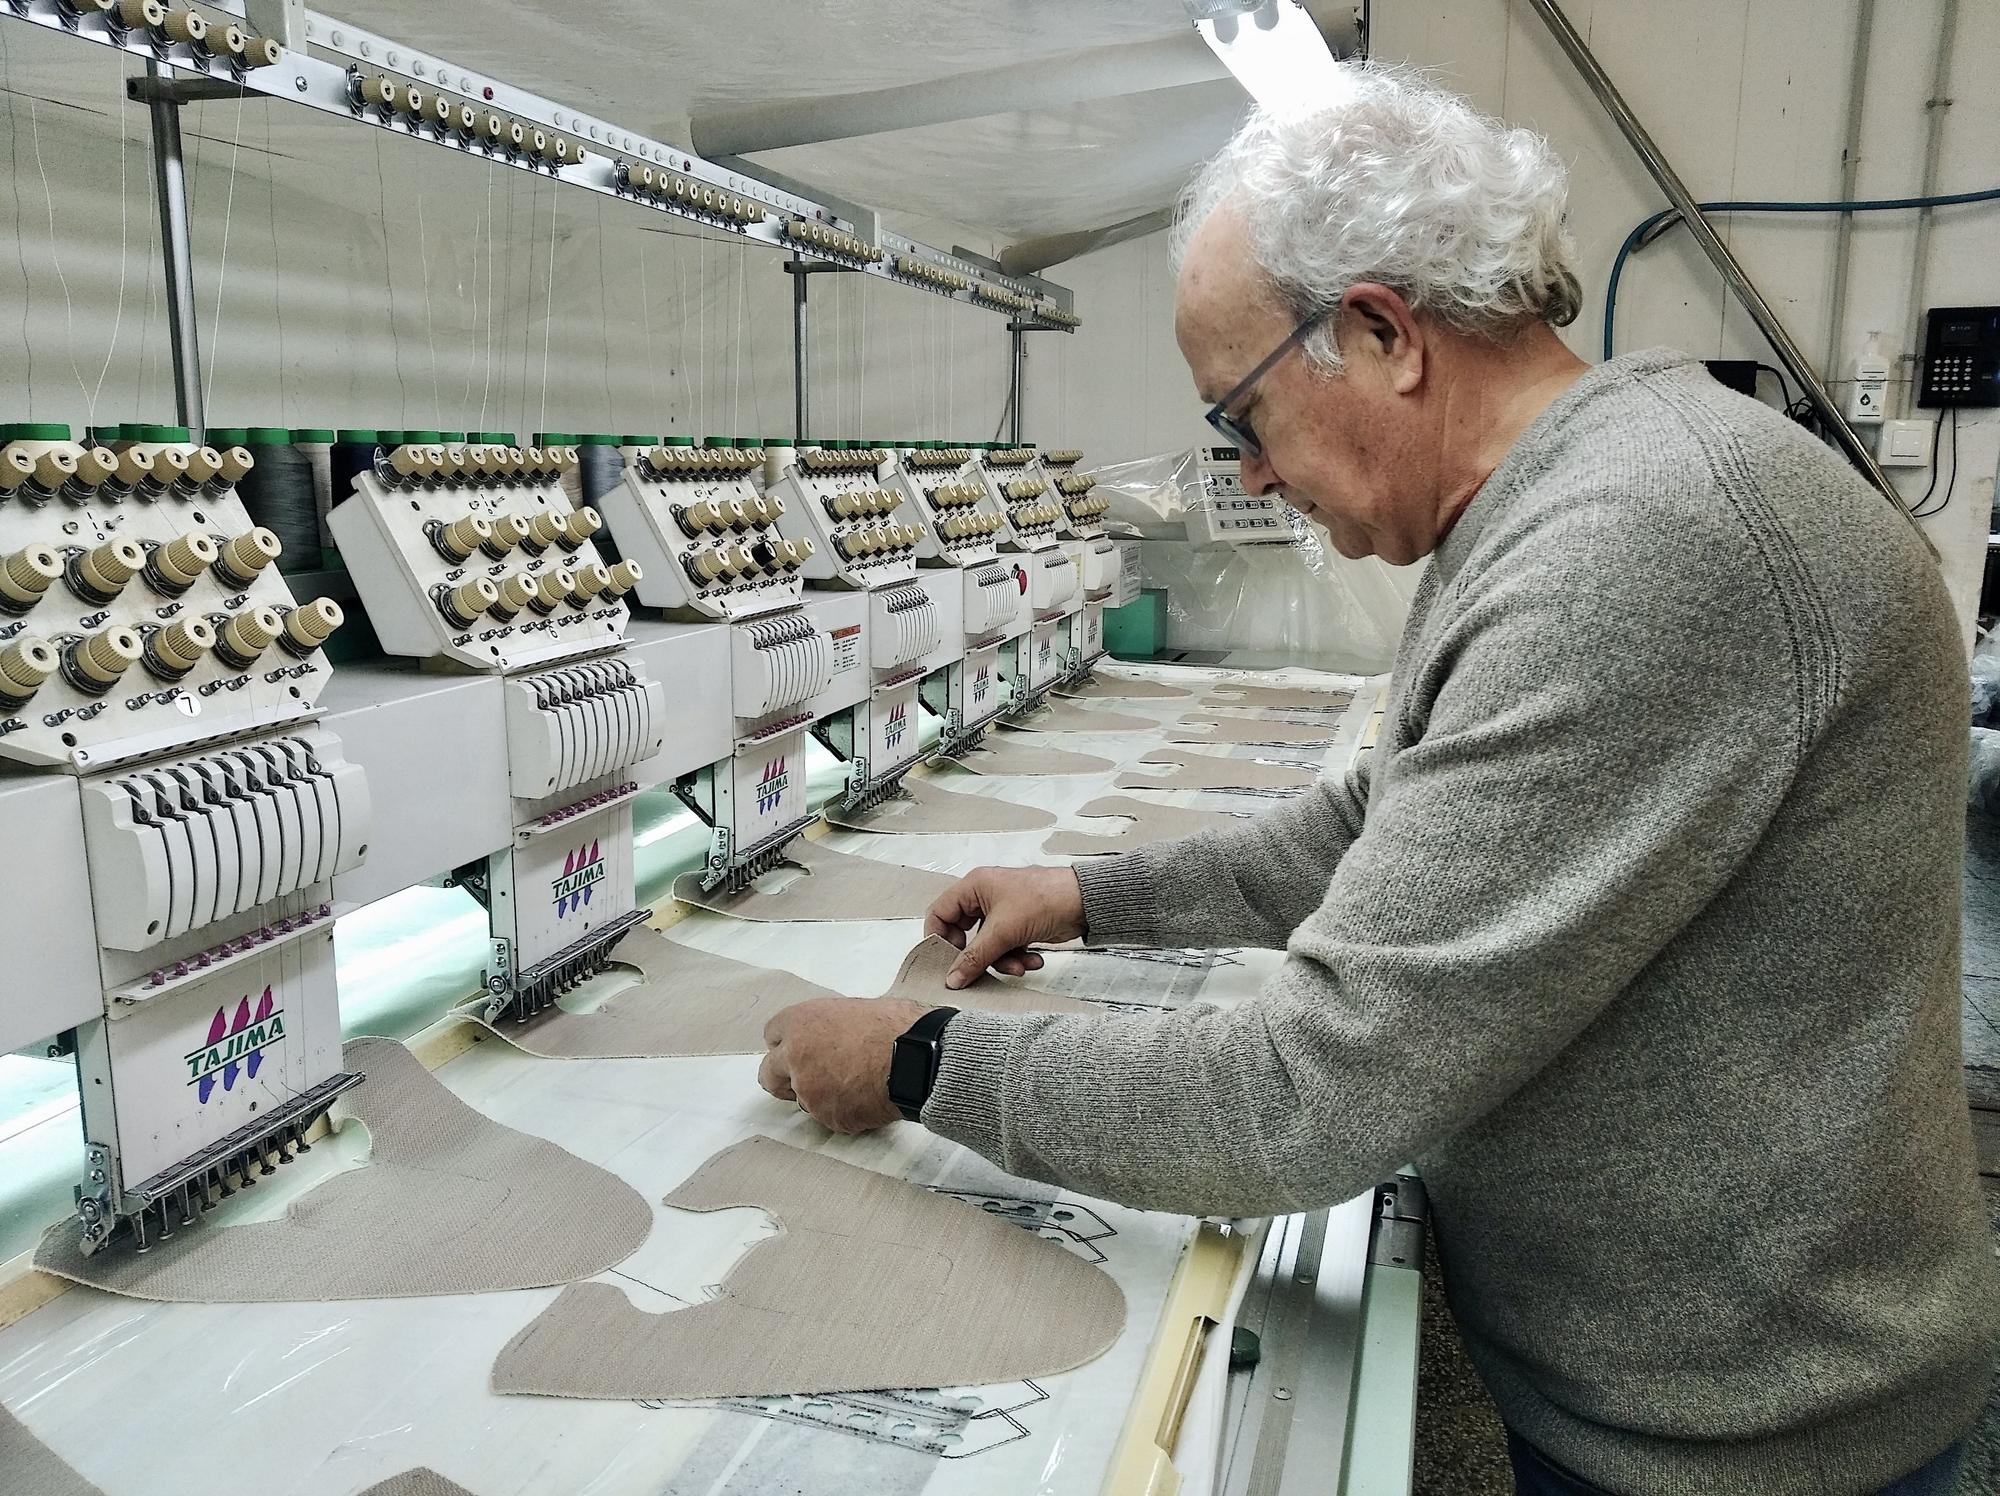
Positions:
{"x": 28, "y": 1467}
{"x": 835, "y": 885}
{"x": 1209, "y": 727}
{"x": 922, "y": 980}
{"x": 690, "y": 1002}
{"x": 923, "y": 809}
{"x": 1210, "y": 771}
{"x": 1121, "y": 688}
{"x": 1149, "y": 823}
{"x": 1067, "y": 716}
{"x": 419, "y": 1482}
{"x": 1278, "y": 698}
{"x": 451, "y": 1202}
{"x": 872, "y": 1283}
{"x": 1007, "y": 754}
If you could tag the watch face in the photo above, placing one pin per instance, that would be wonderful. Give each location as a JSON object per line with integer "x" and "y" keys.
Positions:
{"x": 910, "y": 1072}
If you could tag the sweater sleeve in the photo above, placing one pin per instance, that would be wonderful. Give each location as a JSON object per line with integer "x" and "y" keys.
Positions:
{"x": 1243, "y": 885}
{"x": 1583, "y": 773}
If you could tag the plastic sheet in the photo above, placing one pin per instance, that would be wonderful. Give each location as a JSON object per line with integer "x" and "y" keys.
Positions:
{"x": 1302, "y": 603}
{"x": 327, "y": 1399}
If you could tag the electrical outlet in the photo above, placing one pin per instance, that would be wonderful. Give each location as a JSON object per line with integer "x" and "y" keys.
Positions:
{"x": 1904, "y": 444}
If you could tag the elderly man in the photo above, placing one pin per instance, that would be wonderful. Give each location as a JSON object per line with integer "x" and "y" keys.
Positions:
{"x": 1638, "y": 930}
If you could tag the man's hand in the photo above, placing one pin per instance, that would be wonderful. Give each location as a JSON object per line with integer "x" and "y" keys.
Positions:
{"x": 993, "y": 914}
{"x": 831, "y": 1055}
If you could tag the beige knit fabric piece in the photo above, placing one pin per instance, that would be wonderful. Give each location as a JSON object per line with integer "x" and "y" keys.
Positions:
{"x": 1211, "y": 727}
{"x": 873, "y": 1283}
{"x": 419, "y": 1482}
{"x": 1067, "y": 716}
{"x": 837, "y": 885}
{"x": 1278, "y": 698}
{"x": 692, "y": 1002}
{"x": 1211, "y": 771}
{"x": 1149, "y": 823}
{"x": 451, "y": 1202}
{"x": 1121, "y": 688}
{"x": 28, "y": 1467}
{"x": 1008, "y": 754}
{"x": 923, "y": 809}
{"x": 922, "y": 980}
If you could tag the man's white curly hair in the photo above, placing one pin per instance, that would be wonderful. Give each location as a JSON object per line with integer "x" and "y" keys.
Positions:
{"x": 1404, "y": 183}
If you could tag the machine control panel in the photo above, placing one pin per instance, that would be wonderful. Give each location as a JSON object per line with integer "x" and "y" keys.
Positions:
{"x": 140, "y": 611}
{"x": 474, "y": 554}
{"x": 707, "y": 536}
{"x": 1219, "y": 512}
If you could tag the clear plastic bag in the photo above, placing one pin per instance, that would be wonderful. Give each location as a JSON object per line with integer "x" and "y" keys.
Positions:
{"x": 1293, "y": 603}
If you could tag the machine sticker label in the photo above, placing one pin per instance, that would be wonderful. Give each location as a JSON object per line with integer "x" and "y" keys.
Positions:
{"x": 235, "y": 1045}
{"x": 896, "y": 726}
{"x": 982, "y": 682}
{"x": 771, "y": 785}
{"x": 582, "y": 871}
{"x": 846, "y": 647}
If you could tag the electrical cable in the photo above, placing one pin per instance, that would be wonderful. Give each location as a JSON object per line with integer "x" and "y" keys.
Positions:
{"x": 1645, "y": 231}
{"x": 1784, "y": 384}
{"x": 1920, "y": 511}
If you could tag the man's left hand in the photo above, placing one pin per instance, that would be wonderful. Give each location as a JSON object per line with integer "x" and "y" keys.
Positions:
{"x": 832, "y": 1054}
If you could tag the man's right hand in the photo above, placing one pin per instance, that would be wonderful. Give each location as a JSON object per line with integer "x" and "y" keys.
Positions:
{"x": 993, "y": 914}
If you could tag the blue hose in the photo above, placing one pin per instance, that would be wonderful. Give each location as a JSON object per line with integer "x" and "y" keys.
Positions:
{"x": 1646, "y": 229}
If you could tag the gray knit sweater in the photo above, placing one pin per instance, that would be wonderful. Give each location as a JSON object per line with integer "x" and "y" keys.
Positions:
{"x": 1637, "y": 933}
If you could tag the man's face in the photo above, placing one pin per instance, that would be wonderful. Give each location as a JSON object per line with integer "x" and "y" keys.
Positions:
{"x": 1343, "y": 450}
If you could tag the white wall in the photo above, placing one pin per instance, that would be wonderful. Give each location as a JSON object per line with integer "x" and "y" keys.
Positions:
{"x": 1748, "y": 99}
{"x": 372, "y": 281}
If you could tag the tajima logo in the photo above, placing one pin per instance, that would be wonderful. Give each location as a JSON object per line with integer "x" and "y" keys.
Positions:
{"x": 982, "y": 683}
{"x": 771, "y": 787}
{"x": 896, "y": 726}
{"x": 235, "y": 1045}
{"x": 582, "y": 871}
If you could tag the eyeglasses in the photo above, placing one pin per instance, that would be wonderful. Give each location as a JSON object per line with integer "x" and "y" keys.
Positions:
{"x": 1235, "y": 428}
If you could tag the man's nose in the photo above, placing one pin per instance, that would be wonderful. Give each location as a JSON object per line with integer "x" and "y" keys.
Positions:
{"x": 1256, "y": 474}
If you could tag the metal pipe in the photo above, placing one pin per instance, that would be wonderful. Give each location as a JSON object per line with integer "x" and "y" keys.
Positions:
{"x": 1172, "y": 61}
{"x": 1850, "y": 172}
{"x": 1018, "y": 380}
{"x": 1732, "y": 273}
{"x": 1920, "y": 250}
{"x": 170, "y": 187}
{"x": 1032, "y": 256}
{"x": 801, "y": 411}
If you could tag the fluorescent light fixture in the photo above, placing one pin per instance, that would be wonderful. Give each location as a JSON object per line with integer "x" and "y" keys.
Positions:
{"x": 1273, "y": 47}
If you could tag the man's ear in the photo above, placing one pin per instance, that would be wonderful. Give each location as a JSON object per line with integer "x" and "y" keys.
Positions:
{"x": 1378, "y": 325}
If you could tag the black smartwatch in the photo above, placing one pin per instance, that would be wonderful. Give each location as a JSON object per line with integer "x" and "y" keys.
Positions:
{"x": 913, "y": 1067}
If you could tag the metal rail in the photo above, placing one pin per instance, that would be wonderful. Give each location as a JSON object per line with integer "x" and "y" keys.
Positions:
{"x": 1732, "y": 272}
{"x": 343, "y": 55}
